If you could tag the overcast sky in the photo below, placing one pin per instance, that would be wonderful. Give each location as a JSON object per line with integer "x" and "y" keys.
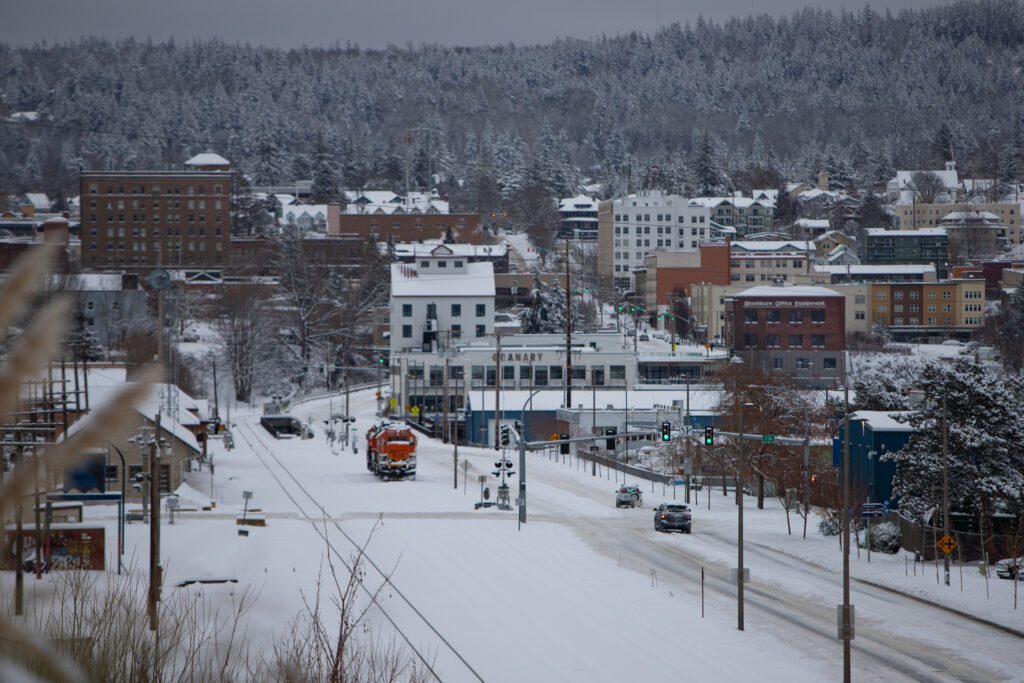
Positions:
{"x": 376, "y": 23}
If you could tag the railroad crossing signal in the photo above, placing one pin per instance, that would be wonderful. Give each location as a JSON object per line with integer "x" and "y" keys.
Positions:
{"x": 610, "y": 443}
{"x": 709, "y": 436}
{"x": 666, "y": 431}
{"x": 946, "y": 544}
{"x": 563, "y": 448}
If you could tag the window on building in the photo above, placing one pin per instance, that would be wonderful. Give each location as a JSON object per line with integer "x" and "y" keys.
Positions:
{"x": 773, "y": 341}
{"x": 750, "y": 316}
{"x": 407, "y": 331}
{"x": 481, "y": 330}
{"x": 803, "y": 363}
{"x": 406, "y": 310}
{"x": 477, "y": 372}
{"x": 915, "y": 308}
{"x": 817, "y": 341}
{"x": 897, "y": 308}
{"x": 617, "y": 372}
{"x": 897, "y": 295}
{"x": 859, "y": 299}
{"x": 456, "y": 310}
{"x": 774, "y": 316}
{"x": 796, "y": 317}
{"x": 778, "y": 363}
{"x": 858, "y": 315}
{"x": 540, "y": 377}
{"x": 915, "y": 295}
{"x": 525, "y": 372}
{"x": 508, "y": 372}
{"x": 491, "y": 375}
{"x": 818, "y": 316}
{"x": 829, "y": 363}
{"x": 796, "y": 340}
{"x": 481, "y": 311}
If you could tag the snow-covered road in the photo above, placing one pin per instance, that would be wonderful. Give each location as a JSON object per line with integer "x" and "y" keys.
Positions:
{"x": 584, "y": 592}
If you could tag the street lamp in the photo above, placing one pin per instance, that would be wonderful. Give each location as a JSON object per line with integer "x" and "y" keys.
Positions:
{"x": 739, "y": 541}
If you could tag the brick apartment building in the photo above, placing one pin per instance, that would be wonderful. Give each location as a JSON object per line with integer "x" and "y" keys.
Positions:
{"x": 148, "y": 218}
{"x": 948, "y": 308}
{"x": 799, "y": 330}
{"x": 467, "y": 228}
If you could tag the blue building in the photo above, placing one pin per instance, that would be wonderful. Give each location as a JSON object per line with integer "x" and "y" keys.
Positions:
{"x": 873, "y": 433}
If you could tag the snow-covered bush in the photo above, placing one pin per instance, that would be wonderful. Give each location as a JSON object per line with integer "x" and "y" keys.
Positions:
{"x": 883, "y": 537}
{"x": 829, "y": 524}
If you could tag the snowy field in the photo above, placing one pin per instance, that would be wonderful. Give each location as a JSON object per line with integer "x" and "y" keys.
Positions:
{"x": 583, "y": 592}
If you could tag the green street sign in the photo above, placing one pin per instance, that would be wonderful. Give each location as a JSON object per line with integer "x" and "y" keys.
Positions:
{"x": 767, "y": 438}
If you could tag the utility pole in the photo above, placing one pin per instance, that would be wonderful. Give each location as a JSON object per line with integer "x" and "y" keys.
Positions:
{"x": 497, "y": 394}
{"x": 945, "y": 481}
{"x": 686, "y": 431}
{"x": 846, "y": 609}
{"x": 346, "y": 407}
{"x": 154, "y": 528}
{"x": 568, "y": 332}
{"x": 739, "y": 544}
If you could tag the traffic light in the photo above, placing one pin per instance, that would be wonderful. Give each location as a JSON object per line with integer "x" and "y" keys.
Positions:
{"x": 666, "y": 431}
{"x": 709, "y": 436}
{"x": 518, "y": 426}
{"x": 620, "y": 308}
{"x": 563, "y": 448}
{"x": 610, "y": 443}
{"x": 505, "y": 434}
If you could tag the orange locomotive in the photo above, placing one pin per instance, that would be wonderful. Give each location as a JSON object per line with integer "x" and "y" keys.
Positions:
{"x": 391, "y": 451}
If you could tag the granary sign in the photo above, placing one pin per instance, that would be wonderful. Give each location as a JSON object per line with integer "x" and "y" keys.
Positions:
{"x": 781, "y": 303}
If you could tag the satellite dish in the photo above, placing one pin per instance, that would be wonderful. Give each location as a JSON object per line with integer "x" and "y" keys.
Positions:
{"x": 159, "y": 279}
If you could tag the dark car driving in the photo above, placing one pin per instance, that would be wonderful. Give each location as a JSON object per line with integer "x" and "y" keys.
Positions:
{"x": 669, "y": 517}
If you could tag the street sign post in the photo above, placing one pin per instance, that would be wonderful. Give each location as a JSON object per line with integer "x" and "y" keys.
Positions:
{"x": 767, "y": 438}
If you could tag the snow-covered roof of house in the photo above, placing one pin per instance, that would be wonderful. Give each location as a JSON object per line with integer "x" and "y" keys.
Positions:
{"x": 787, "y": 291}
{"x": 833, "y": 233}
{"x": 969, "y": 216}
{"x": 771, "y": 195}
{"x": 578, "y": 203}
{"x": 773, "y": 245}
{"x": 38, "y": 200}
{"x": 738, "y": 202}
{"x": 207, "y": 159}
{"x": 905, "y": 179}
{"x": 370, "y": 196}
{"x": 841, "y": 251}
{"x": 882, "y": 420}
{"x": 290, "y": 214}
{"x": 428, "y": 247}
{"x": 104, "y": 384}
{"x": 792, "y": 186}
{"x": 816, "y": 193}
{"x": 408, "y": 280}
{"x": 877, "y": 269}
{"x": 814, "y": 223}
{"x": 923, "y": 232}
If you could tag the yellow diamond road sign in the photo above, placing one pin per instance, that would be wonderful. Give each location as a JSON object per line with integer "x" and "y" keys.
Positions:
{"x": 946, "y": 544}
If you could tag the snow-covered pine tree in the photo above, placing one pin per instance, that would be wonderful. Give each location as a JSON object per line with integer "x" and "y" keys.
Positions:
{"x": 985, "y": 440}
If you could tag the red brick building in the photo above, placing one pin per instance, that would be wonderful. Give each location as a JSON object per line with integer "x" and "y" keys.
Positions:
{"x": 147, "y": 218}
{"x": 795, "y": 330}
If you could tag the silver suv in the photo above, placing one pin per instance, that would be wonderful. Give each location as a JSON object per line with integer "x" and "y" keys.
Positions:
{"x": 628, "y": 496}
{"x": 668, "y": 517}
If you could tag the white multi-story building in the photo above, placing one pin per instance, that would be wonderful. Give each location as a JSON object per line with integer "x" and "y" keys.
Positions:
{"x": 439, "y": 299}
{"x": 646, "y": 222}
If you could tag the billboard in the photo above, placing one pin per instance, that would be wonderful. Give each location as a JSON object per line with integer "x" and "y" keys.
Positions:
{"x": 69, "y": 546}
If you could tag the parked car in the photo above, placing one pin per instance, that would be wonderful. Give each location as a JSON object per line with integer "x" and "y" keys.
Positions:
{"x": 628, "y": 496}
{"x": 645, "y": 337}
{"x": 1010, "y": 568}
{"x": 190, "y": 337}
{"x": 668, "y": 516}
